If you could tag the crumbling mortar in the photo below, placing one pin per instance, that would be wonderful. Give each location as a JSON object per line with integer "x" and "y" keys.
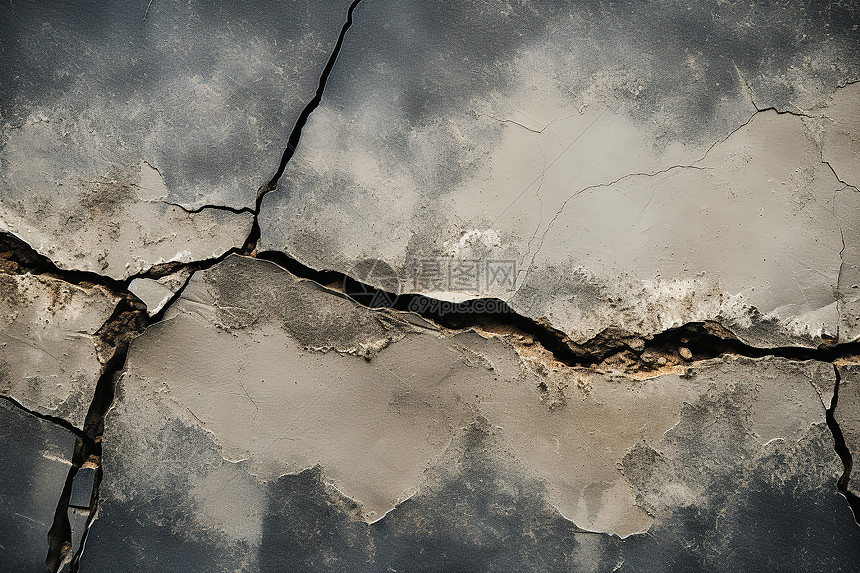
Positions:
{"x": 129, "y": 320}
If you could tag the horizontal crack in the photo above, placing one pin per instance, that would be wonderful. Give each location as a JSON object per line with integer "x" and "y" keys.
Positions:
{"x": 234, "y": 210}
{"x": 17, "y": 257}
{"x": 703, "y": 340}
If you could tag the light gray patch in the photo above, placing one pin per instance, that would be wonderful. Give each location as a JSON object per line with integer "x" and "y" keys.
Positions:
{"x": 47, "y": 329}
{"x": 580, "y": 290}
{"x": 248, "y": 292}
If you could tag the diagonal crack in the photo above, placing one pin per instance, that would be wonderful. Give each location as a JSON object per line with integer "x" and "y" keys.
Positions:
{"x": 56, "y": 420}
{"x": 296, "y": 133}
{"x": 705, "y": 340}
{"x": 130, "y": 319}
{"x": 693, "y": 165}
{"x": 827, "y": 163}
{"x": 842, "y": 451}
{"x": 598, "y": 186}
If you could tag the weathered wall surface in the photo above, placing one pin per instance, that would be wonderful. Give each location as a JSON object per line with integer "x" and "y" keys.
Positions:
{"x": 429, "y": 286}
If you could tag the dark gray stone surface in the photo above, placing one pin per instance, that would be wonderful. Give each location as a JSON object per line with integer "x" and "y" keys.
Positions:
{"x": 35, "y": 458}
{"x": 82, "y": 488}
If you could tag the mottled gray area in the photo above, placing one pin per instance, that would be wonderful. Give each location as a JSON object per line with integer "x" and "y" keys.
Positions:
{"x": 615, "y": 141}
{"x": 107, "y": 120}
{"x": 620, "y": 248}
{"x": 448, "y": 451}
{"x": 847, "y": 415}
{"x": 35, "y": 457}
{"x": 249, "y": 293}
{"x": 478, "y": 510}
{"x": 205, "y": 92}
{"x": 763, "y": 507}
{"x": 154, "y": 484}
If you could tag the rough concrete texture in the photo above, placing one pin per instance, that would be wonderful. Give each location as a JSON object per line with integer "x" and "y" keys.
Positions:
{"x": 548, "y": 285}
{"x": 112, "y": 128}
{"x": 616, "y": 152}
{"x": 49, "y": 361}
{"x": 291, "y": 455}
{"x": 847, "y": 413}
{"x": 157, "y": 293}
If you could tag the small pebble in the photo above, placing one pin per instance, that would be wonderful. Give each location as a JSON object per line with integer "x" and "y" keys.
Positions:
{"x": 685, "y": 353}
{"x": 661, "y": 361}
{"x": 647, "y": 357}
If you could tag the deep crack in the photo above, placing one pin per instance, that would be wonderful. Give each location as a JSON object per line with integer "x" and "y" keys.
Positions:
{"x": 842, "y": 451}
{"x": 702, "y": 340}
{"x": 705, "y": 340}
{"x": 56, "y": 420}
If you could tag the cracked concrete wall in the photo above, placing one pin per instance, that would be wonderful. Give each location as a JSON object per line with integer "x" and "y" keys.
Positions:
{"x": 596, "y": 161}
{"x": 429, "y": 286}
{"x": 50, "y": 357}
{"x": 109, "y": 121}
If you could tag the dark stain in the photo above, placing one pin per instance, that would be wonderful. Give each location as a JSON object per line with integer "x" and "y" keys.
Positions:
{"x": 260, "y": 63}
{"x": 477, "y": 513}
{"x": 25, "y": 441}
{"x": 760, "y": 508}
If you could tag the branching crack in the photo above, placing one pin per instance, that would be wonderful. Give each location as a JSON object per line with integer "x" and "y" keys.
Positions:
{"x": 527, "y": 128}
{"x": 128, "y": 321}
{"x": 701, "y": 340}
{"x": 598, "y": 186}
{"x": 296, "y": 133}
{"x": 827, "y": 163}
